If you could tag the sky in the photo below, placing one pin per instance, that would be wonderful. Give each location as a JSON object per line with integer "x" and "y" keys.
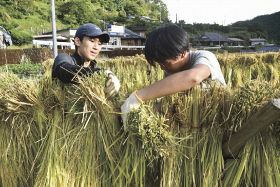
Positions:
{"x": 222, "y": 12}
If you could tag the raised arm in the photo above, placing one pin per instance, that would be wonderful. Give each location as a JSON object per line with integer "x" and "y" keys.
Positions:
{"x": 174, "y": 83}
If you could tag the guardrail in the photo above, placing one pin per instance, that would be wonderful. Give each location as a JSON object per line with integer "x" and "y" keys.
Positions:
{"x": 39, "y": 43}
{"x": 129, "y": 47}
{"x": 105, "y": 47}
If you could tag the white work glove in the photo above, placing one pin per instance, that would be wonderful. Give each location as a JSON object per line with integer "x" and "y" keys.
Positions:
{"x": 113, "y": 85}
{"x": 131, "y": 103}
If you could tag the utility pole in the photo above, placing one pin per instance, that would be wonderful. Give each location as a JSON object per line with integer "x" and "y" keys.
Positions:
{"x": 104, "y": 23}
{"x": 159, "y": 12}
{"x": 54, "y": 29}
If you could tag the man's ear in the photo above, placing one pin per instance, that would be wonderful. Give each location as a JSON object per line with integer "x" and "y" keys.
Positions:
{"x": 77, "y": 41}
{"x": 183, "y": 54}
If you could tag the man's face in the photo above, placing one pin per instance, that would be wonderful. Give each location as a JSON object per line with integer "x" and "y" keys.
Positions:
{"x": 174, "y": 65}
{"x": 88, "y": 48}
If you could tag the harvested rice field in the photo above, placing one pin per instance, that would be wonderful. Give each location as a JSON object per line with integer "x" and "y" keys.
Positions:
{"x": 71, "y": 135}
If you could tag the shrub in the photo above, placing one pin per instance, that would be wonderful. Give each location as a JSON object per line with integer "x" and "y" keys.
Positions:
{"x": 21, "y": 37}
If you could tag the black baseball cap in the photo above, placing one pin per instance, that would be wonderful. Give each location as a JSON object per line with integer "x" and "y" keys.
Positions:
{"x": 92, "y": 30}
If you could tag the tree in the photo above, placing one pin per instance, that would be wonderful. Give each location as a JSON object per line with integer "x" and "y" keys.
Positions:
{"x": 77, "y": 12}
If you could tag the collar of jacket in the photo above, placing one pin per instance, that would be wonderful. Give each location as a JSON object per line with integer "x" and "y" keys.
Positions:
{"x": 80, "y": 60}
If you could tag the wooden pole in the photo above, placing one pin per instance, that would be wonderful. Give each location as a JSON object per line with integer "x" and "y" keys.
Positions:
{"x": 264, "y": 117}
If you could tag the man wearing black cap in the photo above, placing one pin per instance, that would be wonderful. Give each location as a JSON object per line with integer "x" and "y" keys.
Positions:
{"x": 88, "y": 43}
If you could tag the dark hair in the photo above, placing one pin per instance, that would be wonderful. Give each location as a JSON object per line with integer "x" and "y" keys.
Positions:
{"x": 165, "y": 42}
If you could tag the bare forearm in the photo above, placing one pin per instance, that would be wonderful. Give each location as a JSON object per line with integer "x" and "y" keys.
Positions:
{"x": 175, "y": 83}
{"x": 169, "y": 85}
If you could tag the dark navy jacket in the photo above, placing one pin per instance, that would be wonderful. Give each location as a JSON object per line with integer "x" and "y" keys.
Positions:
{"x": 66, "y": 67}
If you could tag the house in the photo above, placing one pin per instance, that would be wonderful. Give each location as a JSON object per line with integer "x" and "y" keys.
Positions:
{"x": 257, "y": 41}
{"x": 5, "y": 38}
{"x": 46, "y": 40}
{"x": 140, "y": 30}
{"x": 131, "y": 38}
{"x": 236, "y": 42}
{"x": 64, "y": 39}
{"x": 115, "y": 32}
{"x": 124, "y": 40}
{"x": 210, "y": 39}
{"x": 120, "y": 38}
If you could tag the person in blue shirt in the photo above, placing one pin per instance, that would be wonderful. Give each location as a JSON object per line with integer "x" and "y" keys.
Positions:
{"x": 88, "y": 42}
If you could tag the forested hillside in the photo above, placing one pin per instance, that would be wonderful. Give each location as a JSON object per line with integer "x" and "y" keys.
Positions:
{"x": 265, "y": 26}
{"x": 268, "y": 26}
{"x": 28, "y": 17}
{"x": 24, "y": 18}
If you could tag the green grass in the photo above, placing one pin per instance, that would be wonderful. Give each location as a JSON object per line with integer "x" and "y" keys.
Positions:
{"x": 23, "y": 69}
